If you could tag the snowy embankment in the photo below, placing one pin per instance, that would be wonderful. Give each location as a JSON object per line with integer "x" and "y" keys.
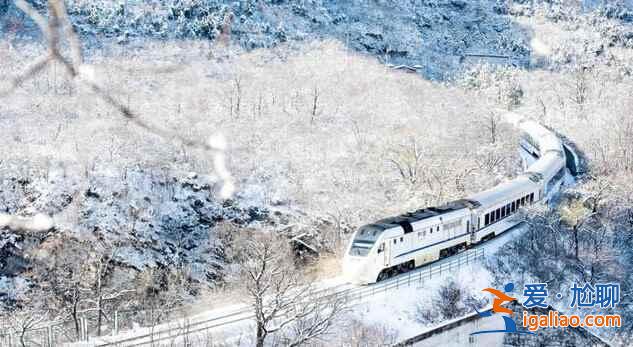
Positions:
{"x": 393, "y": 310}
{"x": 234, "y": 323}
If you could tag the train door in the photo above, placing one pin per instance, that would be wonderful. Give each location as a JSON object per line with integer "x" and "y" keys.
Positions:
{"x": 473, "y": 235}
{"x": 387, "y": 253}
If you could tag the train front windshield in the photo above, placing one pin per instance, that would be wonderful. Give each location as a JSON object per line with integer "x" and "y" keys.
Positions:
{"x": 364, "y": 240}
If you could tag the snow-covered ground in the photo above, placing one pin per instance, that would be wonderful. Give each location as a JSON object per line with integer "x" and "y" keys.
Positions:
{"x": 396, "y": 309}
{"x": 393, "y": 309}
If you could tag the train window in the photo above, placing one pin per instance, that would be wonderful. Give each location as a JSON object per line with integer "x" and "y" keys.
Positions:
{"x": 381, "y": 248}
{"x": 401, "y": 239}
{"x": 508, "y": 209}
{"x": 438, "y": 229}
{"x": 523, "y": 201}
{"x": 531, "y": 198}
{"x": 503, "y": 212}
{"x": 487, "y": 219}
{"x": 430, "y": 230}
{"x": 406, "y": 226}
{"x": 394, "y": 241}
{"x": 513, "y": 207}
{"x": 498, "y": 214}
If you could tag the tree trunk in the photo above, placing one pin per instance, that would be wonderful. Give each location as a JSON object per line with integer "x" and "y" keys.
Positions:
{"x": 261, "y": 335}
{"x": 261, "y": 323}
{"x": 22, "y": 342}
{"x": 315, "y": 102}
{"x": 75, "y": 318}
{"x": 99, "y": 312}
{"x": 576, "y": 242}
{"x": 99, "y": 301}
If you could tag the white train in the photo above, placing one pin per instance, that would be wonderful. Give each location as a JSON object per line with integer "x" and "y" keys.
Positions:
{"x": 397, "y": 244}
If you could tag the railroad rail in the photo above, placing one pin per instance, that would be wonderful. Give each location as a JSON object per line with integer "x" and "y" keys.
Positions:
{"x": 350, "y": 293}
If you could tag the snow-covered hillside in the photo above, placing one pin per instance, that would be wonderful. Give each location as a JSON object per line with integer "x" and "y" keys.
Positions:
{"x": 433, "y": 34}
{"x": 323, "y": 134}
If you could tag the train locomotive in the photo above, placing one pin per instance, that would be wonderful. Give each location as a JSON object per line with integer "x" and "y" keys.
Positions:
{"x": 401, "y": 243}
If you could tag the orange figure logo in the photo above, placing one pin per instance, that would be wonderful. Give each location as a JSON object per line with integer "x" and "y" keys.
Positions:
{"x": 500, "y": 299}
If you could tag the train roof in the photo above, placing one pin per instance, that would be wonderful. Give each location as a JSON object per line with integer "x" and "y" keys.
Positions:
{"x": 504, "y": 191}
{"x": 547, "y": 166}
{"x": 424, "y": 213}
{"x": 540, "y": 137}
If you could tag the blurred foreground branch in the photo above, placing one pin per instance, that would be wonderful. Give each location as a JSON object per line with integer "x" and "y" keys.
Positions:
{"x": 58, "y": 27}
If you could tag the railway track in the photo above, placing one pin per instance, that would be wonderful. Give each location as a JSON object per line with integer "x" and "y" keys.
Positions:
{"x": 351, "y": 293}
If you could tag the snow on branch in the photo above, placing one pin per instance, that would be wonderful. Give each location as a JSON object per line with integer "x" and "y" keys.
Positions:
{"x": 37, "y": 223}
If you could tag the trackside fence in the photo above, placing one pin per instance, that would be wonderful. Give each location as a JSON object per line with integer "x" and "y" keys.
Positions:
{"x": 418, "y": 276}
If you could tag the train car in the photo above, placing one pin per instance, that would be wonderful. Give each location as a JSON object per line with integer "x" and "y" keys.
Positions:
{"x": 498, "y": 206}
{"x": 550, "y": 170}
{"x": 401, "y": 243}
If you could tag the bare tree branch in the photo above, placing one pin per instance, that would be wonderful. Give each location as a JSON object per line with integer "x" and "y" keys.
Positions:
{"x": 37, "y": 223}
{"x": 282, "y": 302}
{"x": 27, "y": 74}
